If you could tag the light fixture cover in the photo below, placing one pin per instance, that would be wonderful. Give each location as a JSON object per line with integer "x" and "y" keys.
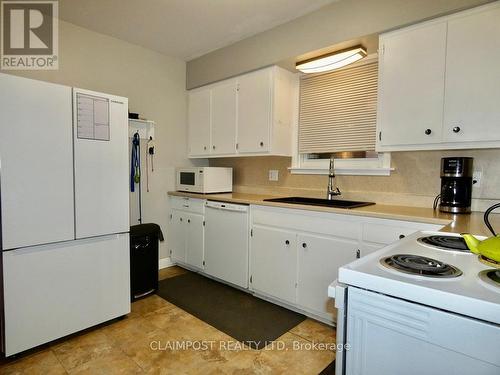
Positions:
{"x": 332, "y": 60}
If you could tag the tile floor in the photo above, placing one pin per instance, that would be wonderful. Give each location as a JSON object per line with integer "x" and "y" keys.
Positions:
{"x": 143, "y": 342}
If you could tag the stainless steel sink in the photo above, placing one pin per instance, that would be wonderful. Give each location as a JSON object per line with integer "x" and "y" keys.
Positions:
{"x": 337, "y": 203}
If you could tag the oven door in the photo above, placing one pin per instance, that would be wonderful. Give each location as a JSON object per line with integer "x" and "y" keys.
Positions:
{"x": 189, "y": 180}
{"x": 341, "y": 324}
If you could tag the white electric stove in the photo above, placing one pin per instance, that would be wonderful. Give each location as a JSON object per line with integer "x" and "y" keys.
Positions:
{"x": 424, "y": 304}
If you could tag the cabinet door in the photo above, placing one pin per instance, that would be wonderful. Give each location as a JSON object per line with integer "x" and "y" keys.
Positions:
{"x": 224, "y": 118}
{"x": 274, "y": 262}
{"x": 319, "y": 261}
{"x": 254, "y": 111}
{"x": 411, "y": 86}
{"x": 177, "y": 236}
{"x": 199, "y": 122}
{"x": 472, "y": 96}
{"x": 194, "y": 240}
{"x": 36, "y": 157}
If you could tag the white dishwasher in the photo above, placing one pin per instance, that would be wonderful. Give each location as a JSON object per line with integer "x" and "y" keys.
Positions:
{"x": 226, "y": 242}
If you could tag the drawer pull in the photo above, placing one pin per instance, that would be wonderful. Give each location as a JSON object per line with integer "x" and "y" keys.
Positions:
{"x": 287, "y": 242}
{"x": 401, "y": 236}
{"x": 304, "y": 245}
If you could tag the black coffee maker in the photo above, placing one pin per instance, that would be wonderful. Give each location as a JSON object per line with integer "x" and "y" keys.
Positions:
{"x": 456, "y": 185}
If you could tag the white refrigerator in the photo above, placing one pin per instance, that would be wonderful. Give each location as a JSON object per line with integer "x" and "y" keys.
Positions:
{"x": 64, "y": 211}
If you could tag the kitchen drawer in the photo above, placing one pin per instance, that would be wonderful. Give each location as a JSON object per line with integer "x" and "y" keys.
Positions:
{"x": 388, "y": 233}
{"x": 187, "y": 204}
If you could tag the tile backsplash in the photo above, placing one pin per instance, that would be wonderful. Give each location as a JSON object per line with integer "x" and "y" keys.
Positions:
{"x": 414, "y": 182}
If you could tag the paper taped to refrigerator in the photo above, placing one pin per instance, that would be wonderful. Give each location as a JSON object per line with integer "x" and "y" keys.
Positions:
{"x": 92, "y": 118}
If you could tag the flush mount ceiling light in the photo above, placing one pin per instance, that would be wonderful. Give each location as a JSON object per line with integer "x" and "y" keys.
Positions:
{"x": 332, "y": 60}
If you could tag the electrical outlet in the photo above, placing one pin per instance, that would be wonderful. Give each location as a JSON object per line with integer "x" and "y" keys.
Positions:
{"x": 273, "y": 175}
{"x": 476, "y": 179}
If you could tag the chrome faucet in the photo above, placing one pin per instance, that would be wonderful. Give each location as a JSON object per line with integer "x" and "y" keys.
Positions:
{"x": 332, "y": 191}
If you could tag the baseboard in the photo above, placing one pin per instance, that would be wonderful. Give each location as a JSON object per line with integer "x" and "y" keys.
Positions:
{"x": 165, "y": 263}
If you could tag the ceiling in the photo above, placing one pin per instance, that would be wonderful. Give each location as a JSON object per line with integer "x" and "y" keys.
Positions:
{"x": 183, "y": 28}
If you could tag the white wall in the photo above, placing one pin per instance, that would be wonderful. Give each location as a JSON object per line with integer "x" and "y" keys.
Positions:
{"x": 155, "y": 86}
{"x": 335, "y": 23}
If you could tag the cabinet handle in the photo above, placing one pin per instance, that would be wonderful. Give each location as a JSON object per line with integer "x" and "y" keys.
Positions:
{"x": 304, "y": 245}
{"x": 401, "y": 236}
{"x": 205, "y": 148}
{"x": 428, "y": 131}
{"x": 456, "y": 129}
{"x": 358, "y": 254}
{"x": 261, "y": 144}
{"x": 189, "y": 220}
{"x": 185, "y": 205}
{"x": 213, "y": 147}
{"x": 180, "y": 219}
{"x": 287, "y": 242}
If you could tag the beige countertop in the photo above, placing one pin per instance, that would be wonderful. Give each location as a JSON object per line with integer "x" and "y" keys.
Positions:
{"x": 472, "y": 223}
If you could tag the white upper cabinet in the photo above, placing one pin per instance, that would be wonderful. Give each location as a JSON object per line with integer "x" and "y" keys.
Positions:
{"x": 199, "y": 122}
{"x": 411, "y": 72}
{"x": 439, "y": 83}
{"x": 247, "y": 115}
{"x": 254, "y": 111}
{"x": 224, "y": 118}
{"x": 472, "y": 110}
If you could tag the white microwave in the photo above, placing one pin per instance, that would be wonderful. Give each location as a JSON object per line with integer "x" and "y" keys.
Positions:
{"x": 204, "y": 180}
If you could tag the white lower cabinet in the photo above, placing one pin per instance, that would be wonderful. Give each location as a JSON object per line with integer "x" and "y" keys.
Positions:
{"x": 185, "y": 237}
{"x": 295, "y": 254}
{"x": 194, "y": 240}
{"x": 319, "y": 259}
{"x": 177, "y": 236}
{"x": 274, "y": 262}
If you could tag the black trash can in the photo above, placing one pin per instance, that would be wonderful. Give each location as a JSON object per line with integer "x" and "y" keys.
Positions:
{"x": 144, "y": 259}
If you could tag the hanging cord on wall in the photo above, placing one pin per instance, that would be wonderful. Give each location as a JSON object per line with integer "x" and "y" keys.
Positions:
{"x": 135, "y": 170}
{"x": 436, "y": 201}
{"x": 150, "y": 151}
{"x": 487, "y": 217}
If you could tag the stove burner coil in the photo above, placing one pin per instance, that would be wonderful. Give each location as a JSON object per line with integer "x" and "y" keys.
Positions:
{"x": 491, "y": 277}
{"x": 419, "y": 265}
{"x": 445, "y": 242}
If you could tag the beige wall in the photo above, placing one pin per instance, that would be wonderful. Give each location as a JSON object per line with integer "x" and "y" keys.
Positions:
{"x": 414, "y": 182}
{"x": 341, "y": 21}
{"x": 155, "y": 86}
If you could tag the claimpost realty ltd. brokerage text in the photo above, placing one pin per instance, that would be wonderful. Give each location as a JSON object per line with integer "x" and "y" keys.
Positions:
{"x": 203, "y": 345}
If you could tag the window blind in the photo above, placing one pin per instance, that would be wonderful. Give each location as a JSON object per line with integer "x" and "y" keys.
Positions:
{"x": 338, "y": 110}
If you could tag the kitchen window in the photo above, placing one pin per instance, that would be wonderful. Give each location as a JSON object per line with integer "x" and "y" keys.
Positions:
{"x": 337, "y": 117}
